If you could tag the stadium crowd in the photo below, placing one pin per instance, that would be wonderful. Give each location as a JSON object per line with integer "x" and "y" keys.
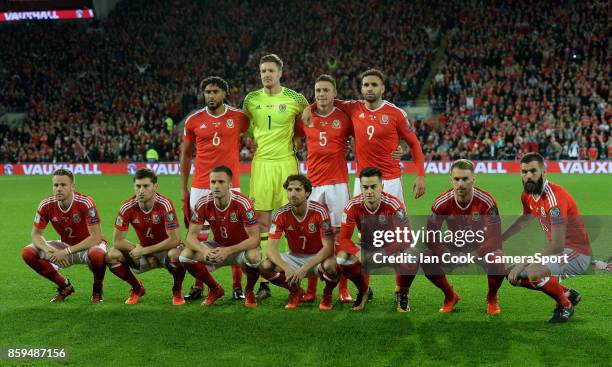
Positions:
{"x": 515, "y": 77}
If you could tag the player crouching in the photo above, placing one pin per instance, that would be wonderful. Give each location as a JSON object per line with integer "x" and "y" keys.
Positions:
{"x": 154, "y": 219}
{"x": 566, "y": 236}
{"x": 465, "y": 207}
{"x": 236, "y": 233}
{"x": 75, "y": 219}
{"x": 307, "y": 226}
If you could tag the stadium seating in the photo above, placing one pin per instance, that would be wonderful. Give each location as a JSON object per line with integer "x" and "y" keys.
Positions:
{"x": 514, "y": 77}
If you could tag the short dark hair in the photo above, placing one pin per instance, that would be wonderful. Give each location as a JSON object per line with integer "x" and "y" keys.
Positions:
{"x": 463, "y": 164}
{"x": 225, "y": 169}
{"x": 533, "y": 157}
{"x": 326, "y": 78}
{"x": 371, "y": 172}
{"x": 145, "y": 173}
{"x": 272, "y": 58}
{"x": 64, "y": 172}
{"x": 216, "y": 81}
{"x": 301, "y": 178}
{"x": 374, "y": 72}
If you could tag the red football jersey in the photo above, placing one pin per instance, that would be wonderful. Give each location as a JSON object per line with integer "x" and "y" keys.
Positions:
{"x": 557, "y": 207}
{"x": 217, "y": 142}
{"x": 480, "y": 214}
{"x": 71, "y": 224}
{"x": 303, "y": 236}
{"x": 228, "y": 225}
{"x": 377, "y": 134}
{"x": 150, "y": 226}
{"x": 326, "y": 140}
{"x": 356, "y": 213}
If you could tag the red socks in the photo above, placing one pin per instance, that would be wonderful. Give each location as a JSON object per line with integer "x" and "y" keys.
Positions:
{"x": 343, "y": 283}
{"x": 279, "y": 279}
{"x": 550, "y": 286}
{"x": 42, "y": 267}
{"x": 178, "y": 274}
{"x": 441, "y": 282}
{"x": 313, "y": 281}
{"x": 123, "y": 272}
{"x": 353, "y": 272}
{"x": 97, "y": 264}
{"x": 404, "y": 282}
{"x": 200, "y": 272}
{"x": 236, "y": 277}
{"x": 495, "y": 281}
{"x": 252, "y": 274}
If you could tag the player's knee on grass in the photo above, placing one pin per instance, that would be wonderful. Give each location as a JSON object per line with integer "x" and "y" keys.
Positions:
{"x": 253, "y": 256}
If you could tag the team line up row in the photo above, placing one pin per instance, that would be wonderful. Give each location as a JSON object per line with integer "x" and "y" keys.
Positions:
{"x": 317, "y": 246}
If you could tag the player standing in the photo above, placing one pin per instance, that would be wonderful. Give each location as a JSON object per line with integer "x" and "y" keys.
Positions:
{"x": 326, "y": 141}
{"x": 75, "y": 219}
{"x": 372, "y": 203}
{"x": 560, "y": 219}
{"x": 463, "y": 208}
{"x": 378, "y": 126}
{"x": 309, "y": 235}
{"x": 214, "y": 132}
{"x": 153, "y": 217}
{"x": 236, "y": 237}
{"x": 272, "y": 111}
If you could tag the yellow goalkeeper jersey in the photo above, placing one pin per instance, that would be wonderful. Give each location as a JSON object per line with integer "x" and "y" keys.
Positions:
{"x": 273, "y": 121}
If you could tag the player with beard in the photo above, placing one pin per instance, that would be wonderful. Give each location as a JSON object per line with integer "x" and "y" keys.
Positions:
{"x": 306, "y": 225}
{"x": 560, "y": 219}
{"x": 214, "y": 133}
{"x": 378, "y": 126}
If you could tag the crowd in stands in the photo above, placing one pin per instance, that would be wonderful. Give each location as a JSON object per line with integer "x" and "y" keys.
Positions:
{"x": 515, "y": 76}
{"x": 521, "y": 78}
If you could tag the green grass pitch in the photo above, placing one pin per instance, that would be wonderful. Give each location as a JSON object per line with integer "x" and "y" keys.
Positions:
{"x": 156, "y": 333}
